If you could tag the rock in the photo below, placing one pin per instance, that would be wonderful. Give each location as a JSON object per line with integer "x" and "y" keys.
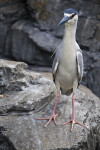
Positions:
{"x": 93, "y": 78}
{"x": 29, "y": 31}
{"x": 45, "y": 12}
{"x": 92, "y": 73}
{"x": 14, "y": 77}
{"x": 35, "y": 98}
{"x": 5, "y": 144}
{"x": 88, "y": 37}
{"x": 35, "y": 48}
{"x": 3, "y": 33}
{"x": 10, "y": 12}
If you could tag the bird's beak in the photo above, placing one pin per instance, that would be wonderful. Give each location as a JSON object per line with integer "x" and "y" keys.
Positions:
{"x": 64, "y": 20}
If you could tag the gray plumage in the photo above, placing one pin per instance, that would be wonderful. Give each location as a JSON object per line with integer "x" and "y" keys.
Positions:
{"x": 67, "y": 66}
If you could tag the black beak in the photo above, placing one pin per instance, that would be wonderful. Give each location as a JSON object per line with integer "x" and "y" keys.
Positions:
{"x": 64, "y": 20}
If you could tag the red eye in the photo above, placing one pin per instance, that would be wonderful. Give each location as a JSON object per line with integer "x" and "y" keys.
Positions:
{"x": 72, "y": 15}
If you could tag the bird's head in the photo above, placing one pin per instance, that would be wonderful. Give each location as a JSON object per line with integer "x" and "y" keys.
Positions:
{"x": 70, "y": 17}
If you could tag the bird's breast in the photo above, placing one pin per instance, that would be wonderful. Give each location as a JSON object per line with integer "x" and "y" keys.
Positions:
{"x": 67, "y": 69}
{"x": 68, "y": 60}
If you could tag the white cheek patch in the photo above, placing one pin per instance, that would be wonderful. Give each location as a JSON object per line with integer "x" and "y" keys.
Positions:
{"x": 68, "y": 15}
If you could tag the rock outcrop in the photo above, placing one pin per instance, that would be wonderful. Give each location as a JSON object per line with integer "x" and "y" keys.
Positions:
{"x": 29, "y": 33}
{"x": 32, "y": 45}
{"x": 27, "y": 96}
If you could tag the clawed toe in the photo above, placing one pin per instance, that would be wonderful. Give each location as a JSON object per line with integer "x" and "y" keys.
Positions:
{"x": 74, "y": 122}
{"x": 53, "y": 117}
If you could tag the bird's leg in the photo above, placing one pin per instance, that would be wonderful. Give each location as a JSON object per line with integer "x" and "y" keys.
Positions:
{"x": 73, "y": 116}
{"x": 53, "y": 116}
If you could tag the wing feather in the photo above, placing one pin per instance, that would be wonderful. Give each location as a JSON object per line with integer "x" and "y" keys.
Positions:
{"x": 56, "y": 61}
{"x": 55, "y": 67}
{"x": 80, "y": 65}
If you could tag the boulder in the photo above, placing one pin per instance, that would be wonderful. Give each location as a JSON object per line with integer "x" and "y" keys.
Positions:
{"x": 29, "y": 33}
{"x": 35, "y": 98}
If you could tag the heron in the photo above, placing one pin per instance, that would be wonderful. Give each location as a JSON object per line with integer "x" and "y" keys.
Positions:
{"x": 67, "y": 66}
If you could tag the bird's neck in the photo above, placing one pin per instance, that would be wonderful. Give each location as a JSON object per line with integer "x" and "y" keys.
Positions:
{"x": 70, "y": 33}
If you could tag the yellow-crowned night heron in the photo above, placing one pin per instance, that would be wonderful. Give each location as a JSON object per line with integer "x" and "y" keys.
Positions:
{"x": 67, "y": 64}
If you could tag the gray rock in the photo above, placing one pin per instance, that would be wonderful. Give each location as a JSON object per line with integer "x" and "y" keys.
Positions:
{"x": 29, "y": 33}
{"x": 26, "y": 43}
{"x": 36, "y": 98}
{"x": 45, "y": 12}
{"x": 10, "y": 12}
{"x": 92, "y": 72}
{"x": 9, "y": 73}
{"x": 3, "y": 33}
{"x": 88, "y": 36}
{"x": 93, "y": 78}
{"x": 14, "y": 77}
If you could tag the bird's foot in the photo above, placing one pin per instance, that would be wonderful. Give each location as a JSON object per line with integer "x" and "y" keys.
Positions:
{"x": 1, "y": 96}
{"x": 74, "y": 122}
{"x": 52, "y": 117}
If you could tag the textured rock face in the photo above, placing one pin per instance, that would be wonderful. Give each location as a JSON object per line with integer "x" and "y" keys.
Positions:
{"x": 29, "y": 33}
{"x": 33, "y": 96}
{"x": 29, "y": 44}
{"x": 10, "y": 12}
{"x": 45, "y": 12}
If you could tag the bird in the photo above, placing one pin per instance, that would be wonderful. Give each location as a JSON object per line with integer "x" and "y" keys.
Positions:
{"x": 67, "y": 66}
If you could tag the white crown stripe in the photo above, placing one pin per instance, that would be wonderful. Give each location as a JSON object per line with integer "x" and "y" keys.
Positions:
{"x": 68, "y": 15}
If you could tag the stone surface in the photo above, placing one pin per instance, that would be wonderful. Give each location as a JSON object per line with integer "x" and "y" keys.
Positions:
{"x": 14, "y": 77}
{"x": 92, "y": 72}
{"x": 24, "y": 42}
{"x": 35, "y": 98}
{"x": 10, "y": 12}
{"x": 29, "y": 32}
{"x": 45, "y": 12}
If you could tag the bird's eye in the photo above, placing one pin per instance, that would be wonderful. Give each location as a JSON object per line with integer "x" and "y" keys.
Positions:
{"x": 72, "y": 15}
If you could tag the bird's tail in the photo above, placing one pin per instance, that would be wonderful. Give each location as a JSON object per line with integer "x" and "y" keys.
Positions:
{"x": 68, "y": 92}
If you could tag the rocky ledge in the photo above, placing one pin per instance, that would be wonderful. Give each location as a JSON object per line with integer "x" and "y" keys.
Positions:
{"x": 29, "y": 33}
{"x": 27, "y": 96}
